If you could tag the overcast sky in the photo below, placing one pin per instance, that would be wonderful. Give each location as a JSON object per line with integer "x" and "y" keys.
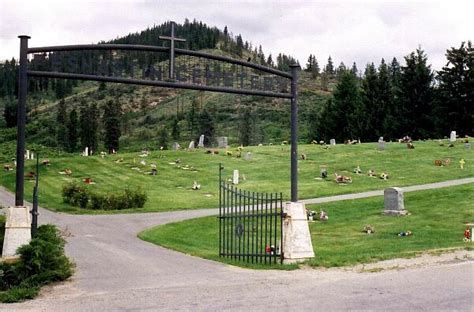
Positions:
{"x": 360, "y": 31}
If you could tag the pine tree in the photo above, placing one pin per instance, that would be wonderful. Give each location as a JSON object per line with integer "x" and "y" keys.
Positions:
{"x": 246, "y": 127}
{"x": 340, "y": 70}
{"x": 72, "y": 130}
{"x": 112, "y": 122}
{"x": 385, "y": 99}
{"x": 343, "y": 115}
{"x": 192, "y": 117}
{"x": 455, "y": 103}
{"x": 9, "y": 112}
{"x": 315, "y": 68}
{"x": 61, "y": 130}
{"x": 354, "y": 69}
{"x": 207, "y": 128}
{"x": 309, "y": 64}
{"x": 175, "y": 131}
{"x": 416, "y": 96}
{"x": 370, "y": 112}
{"x": 163, "y": 138}
{"x": 329, "y": 69}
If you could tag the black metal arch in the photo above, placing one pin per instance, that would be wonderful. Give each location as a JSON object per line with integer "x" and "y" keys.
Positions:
{"x": 24, "y": 73}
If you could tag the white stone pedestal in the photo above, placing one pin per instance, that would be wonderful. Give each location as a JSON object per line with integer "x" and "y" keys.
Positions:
{"x": 17, "y": 230}
{"x": 297, "y": 245}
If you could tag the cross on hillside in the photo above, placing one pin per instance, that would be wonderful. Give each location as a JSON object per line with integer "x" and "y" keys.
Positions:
{"x": 172, "y": 39}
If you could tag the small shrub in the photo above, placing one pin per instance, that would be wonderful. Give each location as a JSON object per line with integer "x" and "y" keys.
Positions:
{"x": 79, "y": 196}
{"x": 138, "y": 198}
{"x": 41, "y": 262}
{"x": 97, "y": 201}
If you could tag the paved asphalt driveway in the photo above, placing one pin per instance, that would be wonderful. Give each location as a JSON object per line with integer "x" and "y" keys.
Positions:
{"x": 116, "y": 271}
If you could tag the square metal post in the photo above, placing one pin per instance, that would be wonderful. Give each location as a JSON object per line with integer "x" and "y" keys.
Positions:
{"x": 21, "y": 121}
{"x": 294, "y": 132}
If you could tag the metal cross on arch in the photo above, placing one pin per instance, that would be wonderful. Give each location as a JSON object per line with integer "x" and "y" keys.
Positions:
{"x": 172, "y": 39}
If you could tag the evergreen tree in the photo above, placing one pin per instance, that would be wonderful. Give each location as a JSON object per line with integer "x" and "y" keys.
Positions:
{"x": 370, "y": 112}
{"x": 329, "y": 69}
{"x": 315, "y": 68}
{"x": 175, "y": 131}
{"x": 270, "y": 61}
{"x": 246, "y": 127}
{"x": 9, "y": 112}
{"x": 354, "y": 69}
{"x": 112, "y": 122}
{"x": 385, "y": 100}
{"x": 163, "y": 138}
{"x": 207, "y": 128}
{"x": 61, "y": 129}
{"x": 88, "y": 126}
{"x": 72, "y": 130}
{"x": 455, "y": 104}
{"x": 340, "y": 70}
{"x": 416, "y": 97}
{"x": 343, "y": 114}
{"x": 94, "y": 116}
{"x": 192, "y": 118}
{"x": 313, "y": 125}
{"x": 309, "y": 64}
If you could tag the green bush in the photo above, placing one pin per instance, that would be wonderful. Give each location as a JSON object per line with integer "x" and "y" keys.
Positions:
{"x": 41, "y": 262}
{"x": 79, "y": 196}
{"x": 97, "y": 201}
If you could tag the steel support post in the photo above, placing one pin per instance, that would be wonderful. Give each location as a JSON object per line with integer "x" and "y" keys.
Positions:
{"x": 21, "y": 121}
{"x": 294, "y": 132}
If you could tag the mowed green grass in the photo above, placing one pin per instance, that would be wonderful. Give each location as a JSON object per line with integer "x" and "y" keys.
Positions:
{"x": 437, "y": 221}
{"x": 267, "y": 171}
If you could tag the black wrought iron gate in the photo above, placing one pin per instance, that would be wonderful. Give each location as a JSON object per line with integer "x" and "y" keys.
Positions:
{"x": 250, "y": 224}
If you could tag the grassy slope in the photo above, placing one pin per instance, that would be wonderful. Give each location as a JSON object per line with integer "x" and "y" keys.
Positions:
{"x": 437, "y": 221}
{"x": 267, "y": 171}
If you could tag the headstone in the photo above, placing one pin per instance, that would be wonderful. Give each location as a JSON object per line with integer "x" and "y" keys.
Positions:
{"x": 248, "y": 156}
{"x": 235, "y": 179}
{"x": 222, "y": 142}
{"x": 381, "y": 144}
{"x": 86, "y": 152}
{"x": 201, "y": 141}
{"x": 27, "y": 154}
{"x": 332, "y": 142}
{"x": 452, "y": 137}
{"x": 393, "y": 201}
{"x": 191, "y": 145}
{"x": 176, "y": 146}
{"x": 32, "y": 155}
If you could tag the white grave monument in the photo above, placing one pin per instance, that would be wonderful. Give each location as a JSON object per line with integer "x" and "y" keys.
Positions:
{"x": 86, "y": 152}
{"x": 201, "y": 141}
{"x": 297, "y": 245}
{"x": 235, "y": 179}
{"x": 332, "y": 142}
{"x": 191, "y": 145}
{"x": 27, "y": 154}
{"x": 452, "y": 137}
{"x": 17, "y": 231}
{"x": 222, "y": 142}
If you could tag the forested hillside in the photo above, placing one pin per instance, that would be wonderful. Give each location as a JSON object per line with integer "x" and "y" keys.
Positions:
{"x": 391, "y": 99}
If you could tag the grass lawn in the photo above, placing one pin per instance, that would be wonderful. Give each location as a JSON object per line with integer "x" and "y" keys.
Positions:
{"x": 437, "y": 221}
{"x": 268, "y": 170}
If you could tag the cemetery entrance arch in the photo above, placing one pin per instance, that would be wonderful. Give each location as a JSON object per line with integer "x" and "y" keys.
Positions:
{"x": 167, "y": 67}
